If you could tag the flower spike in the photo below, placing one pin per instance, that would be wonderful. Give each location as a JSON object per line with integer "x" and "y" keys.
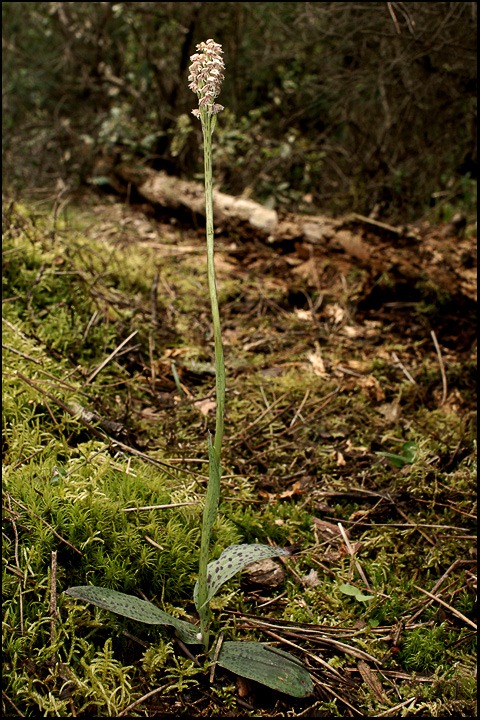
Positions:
{"x": 206, "y": 77}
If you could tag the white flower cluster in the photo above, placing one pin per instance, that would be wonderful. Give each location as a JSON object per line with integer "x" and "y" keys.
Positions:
{"x": 206, "y": 75}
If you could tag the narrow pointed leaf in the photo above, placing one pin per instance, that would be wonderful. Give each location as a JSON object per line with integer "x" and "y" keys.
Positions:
{"x": 134, "y": 608}
{"x": 231, "y": 561}
{"x": 276, "y": 669}
{"x": 209, "y": 513}
{"x": 213, "y": 490}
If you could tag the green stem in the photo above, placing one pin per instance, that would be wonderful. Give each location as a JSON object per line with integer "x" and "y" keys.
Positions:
{"x": 217, "y": 332}
{"x": 213, "y": 489}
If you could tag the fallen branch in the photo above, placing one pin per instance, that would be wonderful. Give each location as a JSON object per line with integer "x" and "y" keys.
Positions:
{"x": 449, "y": 607}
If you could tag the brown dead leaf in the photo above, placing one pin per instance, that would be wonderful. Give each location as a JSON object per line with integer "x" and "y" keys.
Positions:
{"x": 369, "y": 677}
{"x": 151, "y": 413}
{"x": 340, "y": 459}
{"x": 295, "y": 489}
{"x": 372, "y": 388}
{"x": 318, "y": 366}
{"x": 270, "y": 497}
{"x": 243, "y": 687}
{"x": 312, "y": 579}
{"x": 359, "y": 515}
{"x": 351, "y": 244}
{"x": 335, "y": 312}
{"x": 305, "y": 315}
{"x": 265, "y": 572}
{"x": 390, "y": 411}
{"x": 327, "y": 530}
{"x": 368, "y": 329}
{"x": 175, "y": 352}
{"x": 468, "y": 282}
{"x": 307, "y": 271}
{"x": 205, "y": 406}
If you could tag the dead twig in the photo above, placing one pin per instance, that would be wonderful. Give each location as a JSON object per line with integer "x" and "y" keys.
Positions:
{"x": 153, "y": 299}
{"x": 394, "y": 17}
{"x": 13, "y": 516}
{"x": 110, "y": 357}
{"x": 330, "y": 690}
{"x": 442, "y": 367}
{"x": 17, "y": 352}
{"x": 107, "y": 425}
{"x": 324, "y": 402}
{"x": 297, "y": 414}
{"x": 53, "y": 601}
{"x": 452, "y": 567}
{"x": 410, "y": 701}
{"x": 241, "y": 438}
{"x": 45, "y": 523}
{"x": 4, "y": 694}
{"x": 218, "y": 647}
{"x": 310, "y": 634}
{"x": 142, "y": 699}
{"x": 457, "y": 613}
{"x": 351, "y": 552}
{"x": 328, "y": 668}
{"x": 103, "y": 436}
{"x": 160, "y": 507}
{"x": 402, "y": 525}
{"x": 152, "y": 364}
{"x": 402, "y": 368}
{"x": 376, "y": 223}
{"x": 424, "y": 535}
{"x": 152, "y": 542}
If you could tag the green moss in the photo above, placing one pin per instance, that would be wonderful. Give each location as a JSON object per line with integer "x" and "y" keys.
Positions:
{"x": 423, "y": 649}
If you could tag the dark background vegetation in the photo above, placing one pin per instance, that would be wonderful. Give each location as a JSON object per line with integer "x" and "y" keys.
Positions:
{"x": 330, "y": 106}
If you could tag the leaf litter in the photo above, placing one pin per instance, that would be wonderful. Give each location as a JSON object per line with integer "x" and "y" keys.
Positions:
{"x": 333, "y": 379}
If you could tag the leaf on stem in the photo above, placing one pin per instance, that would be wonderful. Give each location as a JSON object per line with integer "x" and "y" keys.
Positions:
{"x": 213, "y": 490}
{"x": 209, "y": 514}
{"x": 276, "y": 669}
{"x": 231, "y": 561}
{"x": 409, "y": 450}
{"x": 134, "y": 608}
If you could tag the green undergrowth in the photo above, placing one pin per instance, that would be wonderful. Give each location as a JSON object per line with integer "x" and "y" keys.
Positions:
{"x": 302, "y": 448}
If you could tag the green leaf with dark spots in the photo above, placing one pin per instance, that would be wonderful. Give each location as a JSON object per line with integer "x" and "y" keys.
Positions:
{"x": 134, "y": 608}
{"x": 276, "y": 669}
{"x": 231, "y": 561}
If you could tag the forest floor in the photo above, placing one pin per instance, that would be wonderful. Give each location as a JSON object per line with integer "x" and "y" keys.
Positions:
{"x": 350, "y": 440}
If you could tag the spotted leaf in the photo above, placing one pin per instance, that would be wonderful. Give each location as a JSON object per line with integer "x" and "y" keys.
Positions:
{"x": 231, "y": 561}
{"x": 134, "y": 608}
{"x": 276, "y": 669}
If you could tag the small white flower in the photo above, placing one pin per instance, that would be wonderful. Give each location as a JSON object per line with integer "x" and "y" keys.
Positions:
{"x": 198, "y": 636}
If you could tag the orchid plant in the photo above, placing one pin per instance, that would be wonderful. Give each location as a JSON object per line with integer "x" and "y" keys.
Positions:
{"x": 270, "y": 666}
